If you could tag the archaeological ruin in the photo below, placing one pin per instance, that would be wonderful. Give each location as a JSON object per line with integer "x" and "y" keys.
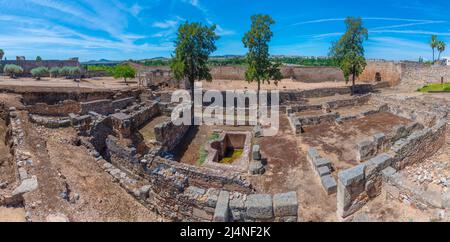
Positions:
{"x": 334, "y": 158}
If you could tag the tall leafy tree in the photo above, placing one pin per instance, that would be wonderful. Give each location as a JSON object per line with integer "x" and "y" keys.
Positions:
{"x": 349, "y": 50}
{"x": 194, "y": 43}
{"x": 441, "y": 48}
{"x": 433, "y": 44}
{"x": 2, "y": 53}
{"x": 38, "y": 58}
{"x": 260, "y": 68}
{"x": 124, "y": 71}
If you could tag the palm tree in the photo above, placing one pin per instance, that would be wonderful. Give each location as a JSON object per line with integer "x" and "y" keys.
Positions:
{"x": 440, "y": 48}
{"x": 433, "y": 43}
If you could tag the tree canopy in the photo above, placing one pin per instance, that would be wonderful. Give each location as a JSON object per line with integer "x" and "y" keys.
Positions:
{"x": 194, "y": 43}
{"x": 39, "y": 72}
{"x": 124, "y": 71}
{"x": 349, "y": 50}
{"x": 260, "y": 68}
{"x": 2, "y": 53}
{"x": 12, "y": 70}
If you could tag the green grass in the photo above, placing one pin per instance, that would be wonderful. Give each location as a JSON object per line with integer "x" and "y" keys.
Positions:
{"x": 202, "y": 154}
{"x": 436, "y": 87}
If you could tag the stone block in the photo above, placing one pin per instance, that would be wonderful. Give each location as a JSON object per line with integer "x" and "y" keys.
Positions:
{"x": 256, "y": 152}
{"x": 323, "y": 171}
{"x": 380, "y": 140}
{"x": 377, "y": 164}
{"x": 365, "y": 149}
{"x": 387, "y": 172}
{"x": 329, "y": 184}
{"x": 352, "y": 175}
{"x": 312, "y": 155}
{"x": 27, "y": 185}
{"x": 259, "y": 206}
{"x": 256, "y": 168}
{"x": 285, "y": 204}
{"x": 221, "y": 213}
{"x": 322, "y": 162}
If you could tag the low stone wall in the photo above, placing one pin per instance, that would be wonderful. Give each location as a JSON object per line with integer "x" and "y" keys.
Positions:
{"x": 60, "y": 109}
{"x": 294, "y": 96}
{"x": 397, "y": 186}
{"x": 381, "y": 142}
{"x": 105, "y": 106}
{"x": 359, "y": 184}
{"x": 169, "y": 135}
{"x": 323, "y": 169}
{"x": 13, "y": 195}
{"x": 51, "y": 122}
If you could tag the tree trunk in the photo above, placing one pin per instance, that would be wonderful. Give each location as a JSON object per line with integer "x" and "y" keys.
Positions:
{"x": 192, "y": 104}
{"x": 433, "y": 55}
{"x": 257, "y": 100}
{"x": 125, "y": 79}
{"x": 353, "y": 84}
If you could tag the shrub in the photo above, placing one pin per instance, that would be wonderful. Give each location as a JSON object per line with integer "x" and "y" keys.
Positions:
{"x": 55, "y": 72}
{"x": 39, "y": 72}
{"x": 12, "y": 70}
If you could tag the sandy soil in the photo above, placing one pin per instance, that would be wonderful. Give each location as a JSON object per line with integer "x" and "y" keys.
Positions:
{"x": 97, "y": 83}
{"x": 285, "y": 84}
{"x": 12, "y": 214}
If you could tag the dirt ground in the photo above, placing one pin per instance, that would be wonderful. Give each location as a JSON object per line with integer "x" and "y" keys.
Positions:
{"x": 285, "y": 84}
{"x": 96, "y": 83}
{"x": 288, "y": 170}
{"x": 337, "y": 142}
{"x": 65, "y": 171}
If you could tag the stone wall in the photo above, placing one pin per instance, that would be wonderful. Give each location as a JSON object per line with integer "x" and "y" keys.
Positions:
{"x": 169, "y": 135}
{"x": 381, "y": 142}
{"x": 389, "y": 71}
{"x": 359, "y": 184}
{"x": 302, "y": 74}
{"x": 399, "y": 187}
{"x": 419, "y": 74}
{"x": 60, "y": 109}
{"x": 53, "y": 97}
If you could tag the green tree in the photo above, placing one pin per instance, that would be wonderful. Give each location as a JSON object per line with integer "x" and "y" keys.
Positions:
{"x": 259, "y": 66}
{"x": 194, "y": 43}
{"x": 2, "y": 53}
{"x": 55, "y": 72}
{"x": 433, "y": 44}
{"x": 441, "y": 48}
{"x": 65, "y": 71}
{"x": 124, "y": 71}
{"x": 39, "y": 72}
{"x": 348, "y": 51}
{"x": 38, "y": 58}
{"x": 13, "y": 70}
{"x": 75, "y": 72}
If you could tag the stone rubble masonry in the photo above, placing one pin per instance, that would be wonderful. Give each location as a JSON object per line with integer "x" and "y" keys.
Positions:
{"x": 51, "y": 122}
{"x": 399, "y": 187}
{"x": 25, "y": 181}
{"x": 380, "y": 142}
{"x": 169, "y": 135}
{"x": 259, "y": 206}
{"x": 357, "y": 185}
{"x": 323, "y": 169}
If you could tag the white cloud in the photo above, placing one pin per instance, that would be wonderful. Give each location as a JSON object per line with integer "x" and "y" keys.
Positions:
{"x": 165, "y": 24}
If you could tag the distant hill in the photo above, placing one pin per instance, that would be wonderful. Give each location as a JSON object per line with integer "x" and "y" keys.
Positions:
{"x": 101, "y": 62}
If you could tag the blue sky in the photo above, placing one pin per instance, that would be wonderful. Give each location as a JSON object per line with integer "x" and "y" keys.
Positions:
{"x": 136, "y": 29}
